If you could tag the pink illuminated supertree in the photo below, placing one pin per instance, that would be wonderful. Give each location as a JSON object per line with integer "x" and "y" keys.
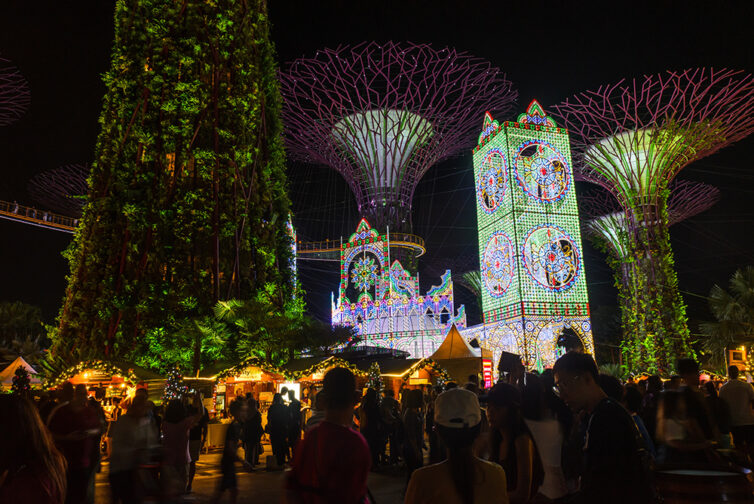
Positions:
{"x": 633, "y": 138}
{"x": 383, "y": 114}
{"x": 14, "y": 93}
{"x": 62, "y": 189}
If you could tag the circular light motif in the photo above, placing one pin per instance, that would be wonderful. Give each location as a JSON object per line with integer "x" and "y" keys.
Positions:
{"x": 364, "y": 273}
{"x": 542, "y": 171}
{"x": 551, "y": 257}
{"x": 492, "y": 181}
{"x": 498, "y": 264}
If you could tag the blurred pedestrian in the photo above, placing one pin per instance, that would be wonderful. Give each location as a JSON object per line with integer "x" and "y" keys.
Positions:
{"x": 32, "y": 470}
{"x": 238, "y": 411}
{"x": 318, "y": 411}
{"x": 294, "y": 421}
{"x": 76, "y": 428}
{"x": 175, "y": 448}
{"x": 370, "y": 424}
{"x": 252, "y": 433}
{"x": 391, "y": 421}
{"x": 197, "y": 435}
{"x": 413, "y": 432}
{"x": 739, "y": 396}
{"x": 277, "y": 428}
{"x": 333, "y": 460}
{"x": 462, "y": 478}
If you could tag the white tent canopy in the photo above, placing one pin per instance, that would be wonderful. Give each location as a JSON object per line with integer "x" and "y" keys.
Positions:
{"x": 6, "y": 375}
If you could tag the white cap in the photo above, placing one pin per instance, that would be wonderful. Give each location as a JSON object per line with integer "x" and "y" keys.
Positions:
{"x": 457, "y": 408}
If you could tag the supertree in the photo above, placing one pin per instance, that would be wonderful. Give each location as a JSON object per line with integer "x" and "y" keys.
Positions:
{"x": 14, "y": 93}
{"x": 62, "y": 189}
{"x": 606, "y": 226}
{"x": 633, "y": 138}
{"x": 187, "y": 202}
{"x": 383, "y": 114}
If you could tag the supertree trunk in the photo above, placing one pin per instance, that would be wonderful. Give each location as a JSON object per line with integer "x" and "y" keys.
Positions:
{"x": 187, "y": 200}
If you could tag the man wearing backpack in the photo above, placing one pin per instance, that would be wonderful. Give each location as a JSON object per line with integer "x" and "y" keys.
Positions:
{"x": 614, "y": 469}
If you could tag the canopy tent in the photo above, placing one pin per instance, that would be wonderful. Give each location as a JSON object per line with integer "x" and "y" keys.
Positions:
{"x": 458, "y": 357}
{"x": 6, "y": 375}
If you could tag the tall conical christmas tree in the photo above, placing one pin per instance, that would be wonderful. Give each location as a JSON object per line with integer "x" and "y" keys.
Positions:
{"x": 187, "y": 196}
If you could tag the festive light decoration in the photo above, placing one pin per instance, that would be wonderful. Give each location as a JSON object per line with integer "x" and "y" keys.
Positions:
{"x": 382, "y": 301}
{"x": 533, "y": 282}
{"x": 15, "y": 97}
{"x": 374, "y": 379}
{"x": 175, "y": 388}
{"x": 383, "y": 114}
{"x": 62, "y": 189}
{"x": 21, "y": 383}
{"x": 608, "y": 228}
{"x": 632, "y": 138}
{"x": 96, "y": 366}
{"x": 442, "y": 375}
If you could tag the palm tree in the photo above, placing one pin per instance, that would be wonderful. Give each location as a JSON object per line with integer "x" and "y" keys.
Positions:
{"x": 472, "y": 280}
{"x": 19, "y": 321}
{"x": 734, "y": 311}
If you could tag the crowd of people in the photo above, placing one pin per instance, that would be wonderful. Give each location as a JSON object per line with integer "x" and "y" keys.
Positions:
{"x": 566, "y": 435}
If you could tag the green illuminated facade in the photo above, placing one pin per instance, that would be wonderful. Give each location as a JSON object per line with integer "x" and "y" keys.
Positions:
{"x": 533, "y": 280}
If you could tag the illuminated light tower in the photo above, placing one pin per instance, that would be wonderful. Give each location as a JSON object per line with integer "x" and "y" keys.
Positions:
{"x": 633, "y": 138}
{"x": 62, "y": 189}
{"x": 608, "y": 230}
{"x": 383, "y": 114}
{"x": 14, "y": 93}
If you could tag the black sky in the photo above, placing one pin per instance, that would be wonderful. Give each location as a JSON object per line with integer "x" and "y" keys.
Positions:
{"x": 549, "y": 49}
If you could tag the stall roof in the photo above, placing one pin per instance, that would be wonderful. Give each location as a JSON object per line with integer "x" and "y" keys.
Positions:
{"x": 454, "y": 347}
{"x": 6, "y": 375}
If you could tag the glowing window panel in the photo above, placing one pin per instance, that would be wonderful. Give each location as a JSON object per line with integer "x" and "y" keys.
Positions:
{"x": 498, "y": 264}
{"x": 551, "y": 257}
{"x": 542, "y": 171}
{"x": 493, "y": 178}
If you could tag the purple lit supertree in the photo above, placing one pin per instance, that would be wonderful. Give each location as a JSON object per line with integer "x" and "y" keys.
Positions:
{"x": 632, "y": 138}
{"x": 14, "y": 93}
{"x": 383, "y": 114}
{"x": 62, "y": 189}
{"x": 606, "y": 226}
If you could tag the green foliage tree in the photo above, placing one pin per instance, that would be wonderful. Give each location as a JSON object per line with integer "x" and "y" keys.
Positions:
{"x": 733, "y": 310}
{"x": 187, "y": 200}
{"x": 21, "y": 382}
{"x": 30, "y": 349}
{"x": 19, "y": 321}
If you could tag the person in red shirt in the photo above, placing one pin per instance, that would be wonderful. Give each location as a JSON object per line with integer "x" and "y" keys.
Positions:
{"x": 76, "y": 429}
{"x": 332, "y": 463}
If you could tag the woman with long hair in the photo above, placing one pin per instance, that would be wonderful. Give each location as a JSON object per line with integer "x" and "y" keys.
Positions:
{"x": 175, "y": 444}
{"x": 369, "y": 424}
{"x": 511, "y": 443}
{"x": 31, "y": 468}
{"x": 462, "y": 478}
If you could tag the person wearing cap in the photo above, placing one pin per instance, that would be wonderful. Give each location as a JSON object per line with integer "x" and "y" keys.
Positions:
{"x": 462, "y": 478}
{"x": 511, "y": 444}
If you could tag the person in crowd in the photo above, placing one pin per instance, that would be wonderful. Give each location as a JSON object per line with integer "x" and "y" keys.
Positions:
{"x": 613, "y": 470}
{"x": 696, "y": 406}
{"x": 339, "y": 472}
{"x": 435, "y": 450}
{"x": 252, "y": 433}
{"x": 277, "y": 427}
{"x": 64, "y": 396}
{"x": 680, "y": 437}
{"x": 391, "y": 420}
{"x": 632, "y": 402}
{"x": 674, "y": 383}
{"x": 511, "y": 444}
{"x": 370, "y": 424}
{"x": 413, "y": 436}
{"x": 548, "y": 420}
{"x": 612, "y": 387}
{"x": 238, "y": 412}
{"x": 318, "y": 411}
{"x": 95, "y": 402}
{"x": 294, "y": 421}
{"x": 32, "y": 470}
{"x": 511, "y": 369}
{"x": 133, "y": 440}
{"x": 76, "y": 429}
{"x": 175, "y": 447}
{"x": 739, "y": 397}
{"x": 462, "y": 478}
{"x": 650, "y": 403}
{"x": 720, "y": 413}
{"x": 197, "y": 435}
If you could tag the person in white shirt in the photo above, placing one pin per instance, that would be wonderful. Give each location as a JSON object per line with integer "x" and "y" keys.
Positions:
{"x": 739, "y": 396}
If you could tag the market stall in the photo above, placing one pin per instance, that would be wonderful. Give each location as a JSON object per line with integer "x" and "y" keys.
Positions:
{"x": 459, "y": 359}
{"x": 6, "y": 375}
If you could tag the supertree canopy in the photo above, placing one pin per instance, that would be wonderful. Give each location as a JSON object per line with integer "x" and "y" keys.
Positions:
{"x": 633, "y": 138}
{"x": 62, "y": 189}
{"x": 607, "y": 227}
{"x": 187, "y": 202}
{"x": 383, "y": 114}
{"x": 14, "y": 93}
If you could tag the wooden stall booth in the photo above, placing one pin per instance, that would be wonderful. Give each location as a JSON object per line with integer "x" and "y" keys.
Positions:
{"x": 252, "y": 376}
{"x": 7, "y": 374}
{"x": 461, "y": 360}
{"x": 407, "y": 374}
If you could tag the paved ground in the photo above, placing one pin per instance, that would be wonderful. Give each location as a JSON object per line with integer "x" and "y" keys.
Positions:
{"x": 261, "y": 486}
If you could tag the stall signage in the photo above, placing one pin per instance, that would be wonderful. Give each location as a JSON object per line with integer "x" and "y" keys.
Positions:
{"x": 487, "y": 372}
{"x": 250, "y": 374}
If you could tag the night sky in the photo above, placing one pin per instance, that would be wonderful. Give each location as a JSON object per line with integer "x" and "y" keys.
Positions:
{"x": 550, "y": 50}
